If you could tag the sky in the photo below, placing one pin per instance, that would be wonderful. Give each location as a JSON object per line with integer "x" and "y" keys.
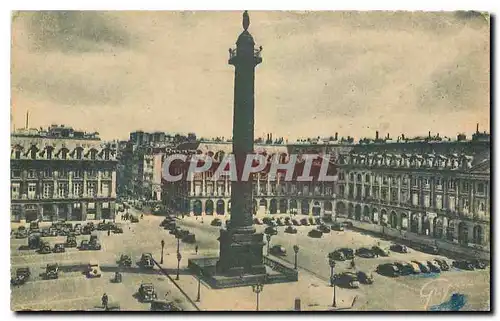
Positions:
{"x": 322, "y": 72}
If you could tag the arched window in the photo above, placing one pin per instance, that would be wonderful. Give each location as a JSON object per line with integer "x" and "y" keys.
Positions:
{"x": 18, "y": 154}
{"x": 78, "y": 153}
{"x": 33, "y": 153}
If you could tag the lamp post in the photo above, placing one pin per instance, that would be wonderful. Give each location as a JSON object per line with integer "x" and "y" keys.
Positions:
{"x": 178, "y": 237}
{"x": 257, "y": 288}
{"x": 179, "y": 257}
{"x": 296, "y": 251}
{"x": 162, "y": 246}
{"x": 200, "y": 273}
{"x": 268, "y": 238}
{"x": 331, "y": 262}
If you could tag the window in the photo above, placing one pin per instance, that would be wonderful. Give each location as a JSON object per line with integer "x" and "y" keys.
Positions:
{"x": 465, "y": 205}
{"x": 394, "y": 195}
{"x": 384, "y": 180}
{"x": 93, "y": 154}
{"x": 341, "y": 176}
{"x": 78, "y": 153}
{"x": 77, "y": 174}
{"x": 351, "y": 177}
{"x": 77, "y": 189}
{"x": 31, "y": 190}
{"x": 18, "y": 154}
{"x": 48, "y": 190}
{"x": 106, "y": 154}
{"x": 414, "y": 182}
{"x": 62, "y": 189}
{"x": 62, "y": 173}
{"x": 49, "y": 153}
{"x": 15, "y": 191}
{"x": 452, "y": 184}
{"x": 33, "y": 153}
{"x": 439, "y": 202}
{"x": 47, "y": 173}
{"x": 427, "y": 200}
{"x": 384, "y": 193}
{"x": 91, "y": 189}
{"x": 16, "y": 173}
{"x": 31, "y": 173}
{"x": 105, "y": 189}
{"x": 451, "y": 203}
{"x": 465, "y": 187}
{"x": 480, "y": 188}
{"x": 367, "y": 178}
{"x": 64, "y": 154}
{"x": 481, "y": 207}
{"x": 425, "y": 181}
{"x": 105, "y": 174}
{"x": 439, "y": 183}
{"x": 92, "y": 173}
{"x": 414, "y": 199}
{"x": 360, "y": 178}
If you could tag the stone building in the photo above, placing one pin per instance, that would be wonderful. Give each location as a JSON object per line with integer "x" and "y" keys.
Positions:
{"x": 61, "y": 174}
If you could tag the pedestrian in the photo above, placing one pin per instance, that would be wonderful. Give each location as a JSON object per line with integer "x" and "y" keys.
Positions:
{"x": 353, "y": 265}
{"x": 105, "y": 301}
{"x": 196, "y": 249}
{"x": 109, "y": 231}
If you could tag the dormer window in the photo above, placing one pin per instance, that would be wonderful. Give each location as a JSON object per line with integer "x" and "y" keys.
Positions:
{"x": 33, "y": 153}
{"x": 64, "y": 154}
{"x": 49, "y": 153}
{"x": 106, "y": 154}
{"x": 93, "y": 154}
{"x": 78, "y": 153}
{"x": 18, "y": 154}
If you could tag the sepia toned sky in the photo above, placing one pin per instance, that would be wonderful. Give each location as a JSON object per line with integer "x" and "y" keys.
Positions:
{"x": 323, "y": 72}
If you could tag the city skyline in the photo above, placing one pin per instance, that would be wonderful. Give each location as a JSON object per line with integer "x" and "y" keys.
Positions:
{"x": 323, "y": 72}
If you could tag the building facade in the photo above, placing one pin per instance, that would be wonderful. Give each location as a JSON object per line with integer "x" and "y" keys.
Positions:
{"x": 61, "y": 174}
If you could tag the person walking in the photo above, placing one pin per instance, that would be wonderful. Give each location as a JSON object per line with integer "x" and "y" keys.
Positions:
{"x": 196, "y": 249}
{"x": 104, "y": 300}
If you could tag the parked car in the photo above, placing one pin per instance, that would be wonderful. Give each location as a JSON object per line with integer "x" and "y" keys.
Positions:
{"x": 170, "y": 226}
{"x": 163, "y": 305}
{"x": 164, "y": 222}
{"x": 271, "y": 230}
{"x": 415, "y": 267}
{"x": 22, "y": 275}
{"x": 291, "y": 230}
{"x": 125, "y": 261}
{"x": 422, "y": 266}
{"x": 175, "y": 230}
{"x": 305, "y": 222}
{"x": 59, "y": 248}
{"x": 463, "y": 265}
{"x": 399, "y": 248}
{"x": 52, "y": 271}
{"x": 347, "y": 224}
{"x": 267, "y": 220}
{"x": 337, "y": 255}
{"x": 102, "y": 226}
{"x": 365, "y": 278}
{"x": 337, "y": 227}
{"x": 433, "y": 267}
{"x": 34, "y": 241}
{"x": 348, "y": 253}
{"x": 147, "y": 292}
{"x": 280, "y": 222}
{"x": 312, "y": 221}
{"x": 147, "y": 260}
{"x": 388, "y": 269}
{"x": 77, "y": 230}
{"x": 44, "y": 248}
{"x": 431, "y": 249}
{"x": 288, "y": 221}
{"x": 346, "y": 279}
{"x": 323, "y": 228}
{"x": 443, "y": 265}
{"x": 21, "y": 234}
{"x": 315, "y": 233}
{"x": 277, "y": 250}
{"x": 319, "y": 221}
{"x": 84, "y": 245}
{"x": 404, "y": 268}
{"x": 216, "y": 222}
{"x": 257, "y": 221}
{"x": 365, "y": 253}
{"x": 377, "y": 250}
{"x": 94, "y": 244}
{"x": 117, "y": 229}
{"x": 134, "y": 219}
{"x": 93, "y": 270}
{"x": 190, "y": 238}
{"x": 86, "y": 230}
{"x": 479, "y": 264}
{"x": 272, "y": 223}
{"x": 181, "y": 233}
{"x": 296, "y": 222}
{"x": 71, "y": 241}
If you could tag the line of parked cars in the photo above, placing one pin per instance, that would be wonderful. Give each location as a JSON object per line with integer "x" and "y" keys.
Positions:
{"x": 352, "y": 280}
{"x": 169, "y": 224}
{"x": 402, "y": 268}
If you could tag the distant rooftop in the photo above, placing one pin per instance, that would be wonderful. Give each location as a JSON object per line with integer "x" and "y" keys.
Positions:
{"x": 56, "y": 131}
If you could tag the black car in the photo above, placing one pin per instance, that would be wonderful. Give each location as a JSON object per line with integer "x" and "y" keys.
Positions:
{"x": 291, "y": 230}
{"x": 84, "y": 245}
{"x": 399, "y": 248}
{"x": 348, "y": 253}
{"x": 271, "y": 230}
{"x": 87, "y": 230}
{"x": 161, "y": 305}
{"x": 337, "y": 227}
{"x": 125, "y": 261}
{"x": 346, "y": 279}
{"x": 22, "y": 275}
{"x": 52, "y": 271}
{"x": 216, "y": 222}
{"x": 34, "y": 241}
{"x": 479, "y": 264}
{"x": 422, "y": 266}
{"x": 117, "y": 229}
{"x": 134, "y": 219}
{"x": 71, "y": 241}
{"x": 147, "y": 260}
{"x": 377, "y": 250}
{"x": 443, "y": 265}
{"x": 44, "y": 248}
{"x": 190, "y": 238}
{"x": 323, "y": 228}
{"x": 404, "y": 268}
{"x": 147, "y": 292}
{"x": 102, "y": 226}
{"x": 280, "y": 222}
{"x": 267, "y": 220}
{"x": 315, "y": 233}
{"x": 337, "y": 255}
{"x": 365, "y": 253}
{"x": 319, "y": 221}
{"x": 305, "y": 222}
{"x": 277, "y": 250}
{"x": 59, "y": 248}
{"x": 388, "y": 269}
{"x": 347, "y": 224}
{"x": 463, "y": 265}
{"x": 364, "y": 278}
{"x": 431, "y": 249}
{"x": 296, "y": 222}
{"x": 433, "y": 266}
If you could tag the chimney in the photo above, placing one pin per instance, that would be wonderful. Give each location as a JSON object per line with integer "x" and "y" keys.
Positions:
{"x": 376, "y": 134}
{"x": 477, "y": 128}
{"x": 336, "y": 136}
{"x": 403, "y": 136}
{"x": 388, "y": 136}
{"x": 27, "y": 118}
{"x": 271, "y": 138}
{"x": 429, "y": 133}
{"x": 267, "y": 139}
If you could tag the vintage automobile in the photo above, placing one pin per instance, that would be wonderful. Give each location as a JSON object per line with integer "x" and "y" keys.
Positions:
{"x": 93, "y": 270}
{"x": 348, "y": 253}
{"x": 479, "y": 264}
{"x": 271, "y": 230}
{"x": 305, "y": 222}
{"x": 388, "y": 269}
{"x": 290, "y": 230}
{"x": 77, "y": 230}
{"x": 147, "y": 261}
{"x": 431, "y": 249}
{"x": 117, "y": 229}
{"x": 315, "y": 233}
{"x": 147, "y": 292}
{"x": 63, "y": 232}
{"x": 94, "y": 244}
{"x": 415, "y": 267}
{"x": 422, "y": 266}
{"x": 288, "y": 221}
{"x": 170, "y": 226}
{"x": 433, "y": 266}
{"x": 277, "y": 250}
{"x": 117, "y": 277}
{"x": 377, "y": 250}
{"x": 347, "y": 224}
{"x": 59, "y": 248}
{"x": 102, "y": 226}
{"x": 296, "y": 222}
{"x": 346, "y": 279}
{"x": 22, "y": 275}
{"x": 463, "y": 265}
{"x": 163, "y": 305}
{"x": 272, "y": 223}
{"x": 34, "y": 225}
{"x": 181, "y": 233}
{"x": 86, "y": 230}
{"x": 174, "y": 231}
{"x": 337, "y": 255}
{"x": 216, "y": 222}
{"x": 319, "y": 221}
{"x": 125, "y": 260}
{"x": 44, "y": 248}
{"x": 21, "y": 234}
{"x": 134, "y": 219}
{"x": 84, "y": 245}
{"x": 71, "y": 241}
{"x": 52, "y": 271}
{"x": 280, "y": 222}
{"x": 364, "y": 278}
{"x": 399, "y": 248}
{"x": 34, "y": 241}
{"x": 404, "y": 268}
{"x": 257, "y": 221}
{"x": 337, "y": 227}
{"x": 365, "y": 253}
{"x": 267, "y": 220}
{"x": 164, "y": 222}
{"x": 323, "y": 228}
{"x": 45, "y": 232}
{"x": 190, "y": 238}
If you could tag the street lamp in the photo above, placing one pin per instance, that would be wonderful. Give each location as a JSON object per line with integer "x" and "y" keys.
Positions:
{"x": 296, "y": 251}
{"x": 331, "y": 262}
{"x": 162, "y": 246}
{"x": 200, "y": 274}
{"x": 268, "y": 238}
{"x": 179, "y": 257}
{"x": 178, "y": 237}
{"x": 257, "y": 288}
